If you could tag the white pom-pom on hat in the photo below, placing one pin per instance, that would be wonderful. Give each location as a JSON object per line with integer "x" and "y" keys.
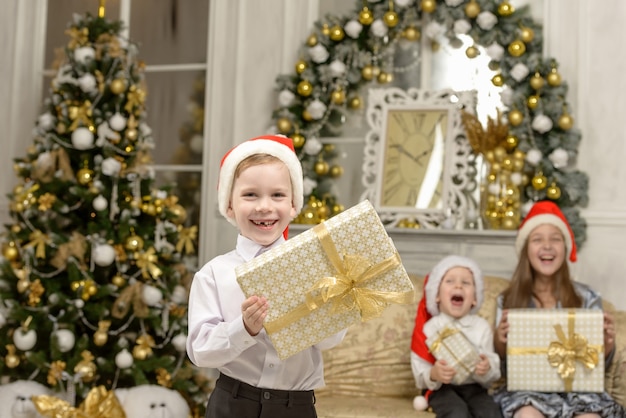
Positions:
{"x": 420, "y": 403}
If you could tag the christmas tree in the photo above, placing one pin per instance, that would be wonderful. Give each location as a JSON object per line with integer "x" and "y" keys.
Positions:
{"x": 95, "y": 258}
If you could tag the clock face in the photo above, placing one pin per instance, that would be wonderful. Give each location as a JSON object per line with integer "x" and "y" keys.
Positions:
{"x": 413, "y": 158}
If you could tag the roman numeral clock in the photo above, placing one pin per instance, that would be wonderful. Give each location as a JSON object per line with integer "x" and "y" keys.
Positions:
{"x": 416, "y": 154}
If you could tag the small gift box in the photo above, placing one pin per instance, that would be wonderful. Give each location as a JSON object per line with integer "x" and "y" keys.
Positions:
{"x": 341, "y": 271}
{"x": 451, "y": 345}
{"x": 555, "y": 350}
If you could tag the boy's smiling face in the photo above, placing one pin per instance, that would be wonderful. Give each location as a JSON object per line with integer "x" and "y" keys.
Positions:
{"x": 262, "y": 201}
{"x": 457, "y": 292}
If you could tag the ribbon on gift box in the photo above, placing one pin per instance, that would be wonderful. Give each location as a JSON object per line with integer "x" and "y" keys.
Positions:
{"x": 565, "y": 352}
{"x": 99, "y": 403}
{"x": 440, "y": 341}
{"x": 346, "y": 289}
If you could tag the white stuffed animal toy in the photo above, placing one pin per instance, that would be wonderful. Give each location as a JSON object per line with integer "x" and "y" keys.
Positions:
{"x": 152, "y": 401}
{"x": 15, "y": 399}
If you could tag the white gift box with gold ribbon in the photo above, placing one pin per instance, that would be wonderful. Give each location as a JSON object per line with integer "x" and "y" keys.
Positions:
{"x": 451, "y": 345}
{"x": 555, "y": 350}
{"x": 319, "y": 282}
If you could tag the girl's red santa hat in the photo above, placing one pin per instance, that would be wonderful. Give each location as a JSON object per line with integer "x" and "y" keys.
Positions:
{"x": 428, "y": 307}
{"x": 278, "y": 146}
{"x": 546, "y": 212}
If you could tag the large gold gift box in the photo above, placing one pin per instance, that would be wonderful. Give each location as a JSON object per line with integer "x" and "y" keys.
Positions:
{"x": 451, "y": 345}
{"x": 555, "y": 350}
{"x": 319, "y": 282}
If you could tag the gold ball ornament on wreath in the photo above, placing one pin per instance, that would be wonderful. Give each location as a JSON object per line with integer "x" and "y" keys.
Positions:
{"x": 10, "y": 252}
{"x": 429, "y": 6}
{"x": 384, "y": 77}
{"x": 336, "y": 33}
{"x": 497, "y": 80}
{"x": 118, "y": 280}
{"x": 117, "y": 86}
{"x": 338, "y": 96}
{"x": 284, "y": 125}
{"x": 298, "y": 140}
{"x": 321, "y": 168}
{"x": 510, "y": 142}
{"x": 566, "y": 121}
{"x": 390, "y": 18}
{"x": 100, "y": 338}
{"x": 505, "y": 9}
{"x": 300, "y": 66}
{"x": 12, "y": 360}
{"x": 515, "y": 117}
{"x": 366, "y": 17}
{"x": 355, "y": 102}
{"x": 472, "y": 9}
{"x": 368, "y": 72}
{"x": 325, "y": 29}
{"x": 336, "y": 171}
{"x": 134, "y": 243}
{"x": 472, "y": 52}
{"x": 553, "y": 192}
{"x": 517, "y": 48}
{"x": 527, "y": 34}
{"x": 533, "y": 101}
{"x": 311, "y": 40}
{"x": 539, "y": 181}
{"x": 537, "y": 81}
{"x": 412, "y": 34}
{"x": 554, "y": 78}
{"x": 306, "y": 115}
{"x": 179, "y": 212}
{"x": 84, "y": 176}
{"x": 305, "y": 88}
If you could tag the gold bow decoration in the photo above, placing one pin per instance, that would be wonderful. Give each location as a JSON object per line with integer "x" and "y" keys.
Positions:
{"x": 136, "y": 97}
{"x": 38, "y": 240}
{"x": 130, "y": 296}
{"x": 447, "y": 332}
{"x": 186, "y": 239}
{"x": 80, "y": 115}
{"x": 564, "y": 353}
{"x": 99, "y": 403}
{"x": 60, "y": 162}
{"x": 79, "y": 37}
{"x": 346, "y": 290}
{"x": 75, "y": 247}
{"x": 146, "y": 262}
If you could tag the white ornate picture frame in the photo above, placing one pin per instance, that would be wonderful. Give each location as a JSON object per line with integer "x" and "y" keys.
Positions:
{"x": 417, "y": 160}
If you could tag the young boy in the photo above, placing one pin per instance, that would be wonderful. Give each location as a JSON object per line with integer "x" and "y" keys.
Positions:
{"x": 260, "y": 191}
{"x": 453, "y": 293}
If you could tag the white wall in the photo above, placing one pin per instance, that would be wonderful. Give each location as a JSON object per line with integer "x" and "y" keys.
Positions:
{"x": 251, "y": 45}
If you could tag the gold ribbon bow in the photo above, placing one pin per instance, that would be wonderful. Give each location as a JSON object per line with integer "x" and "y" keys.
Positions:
{"x": 99, "y": 403}
{"x": 38, "y": 240}
{"x": 146, "y": 262}
{"x": 135, "y": 97}
{"x": 346, "y": 290}
{"x": 79, "y": 37}
{"x": 447, "y": 332}
{"x": 564, "y": 353}
{"x": 187, "y": 236}
{"x": 131, "y": 296}
{"x": 80, "y": 114}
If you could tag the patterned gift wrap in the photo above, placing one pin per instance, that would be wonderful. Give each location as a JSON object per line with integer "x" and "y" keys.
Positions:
{"x": 341, "y": 271}
{"x": 451, "y": 345}
{"x": 555, "y": 350}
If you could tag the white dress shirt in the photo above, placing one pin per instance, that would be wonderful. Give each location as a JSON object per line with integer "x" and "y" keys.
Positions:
{"x": 218, "y": 339}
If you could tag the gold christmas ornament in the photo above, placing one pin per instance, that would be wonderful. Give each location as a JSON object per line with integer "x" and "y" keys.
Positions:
{"x": 533, "y": 101}
{"x": 472, "y": 9}
{"x": 133, "y": 243}
{"x": 284, "y": 125}
{"x": 11, "y": 360}
{"x": 365, "y": 16}
{"x": 384, "y": 77}
{"x": 118, "y": 86}
{"x": 390, "y": 18}
{"x": 412, "y": 34}
{"x": 539, "y": 181}
{"x": 336, "y": 171}
{"x": 368, "y": 72}
{"x": 526, "y": 34}
{"x": 132, "y": 134}
{"x": 321, "y": 168}
{"x": 515, "y": 117}
{"x": 10, "y": 252}
{"x": 510, "y": 142}
{"x": 180, "y": 213}
{"x": 300, "y": 66}
{"x": 471, "y": 52}
{"x": 306, "y": 115}
{"x": 553, "y": 192}
{"x": 537, "y": 81}
{"x": 338, "y": 208}
{"x": 118, "y": 280}
{"x": 355, "y": 102}
{"x": 566, "y": 121}
{"x": 323, "y": 212}
{"x": 336, "y": 33}
{"x": 554, "y": 78}
{"x": 305, "y": 88}
{"x": 429, "y": 6}
{"x": 311, "y": 40}
{"x": 101, "y": 336}
{"x": 517, "y": 48}
{"x": 497, "y": 80}
{"x": 338, "y": 96}
{"x": 505, "y": 9}
{"x": 298, "y": 140}
{"x": 325, "y": 29}
{"x": 84, "y": 176}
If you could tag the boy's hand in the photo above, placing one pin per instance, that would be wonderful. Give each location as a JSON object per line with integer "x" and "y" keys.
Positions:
{"x": 483, "y": 366}
{"x": 253, "y": 311}
{"x": 441, "y": 372}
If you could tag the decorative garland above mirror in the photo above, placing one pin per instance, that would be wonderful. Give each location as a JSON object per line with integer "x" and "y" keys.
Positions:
{"x": 344, "y": 55}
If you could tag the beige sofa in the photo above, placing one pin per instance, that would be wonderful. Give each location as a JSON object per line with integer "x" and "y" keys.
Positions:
{"x": 369, "y": 373}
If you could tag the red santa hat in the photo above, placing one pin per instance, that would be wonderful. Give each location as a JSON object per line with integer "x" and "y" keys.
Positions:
{"x": 428, "y": 307}
{"x": 546, "y": 212}
{"x": 278, "y": 146}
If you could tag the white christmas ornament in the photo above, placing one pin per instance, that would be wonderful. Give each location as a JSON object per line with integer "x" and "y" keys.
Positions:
{"x": 494, "y": 189}
{"x": 285, "y": 97}
{"x": 84, "y": 54}
{"x": 24, "y": 340}
{"x": 486, "y": 20}
{"x": 379, "y": 29}
{"x": 337, "y": 68}
{"x": 308, "y": 185}
{"x": 65, "y": 339}
{"x": 179, "y": 342}
{"x": 124, "y": 359}
{"x": 534, "y": 156}
{"x": 353, "y": 29}
{"x": 312, "y": 146}
{"x": 179, "y": 295}
{"x": 434, "y": 30}
{"x": 196, "y": 144}
{"x": 316, "y": 109}
{"x": 82, "y": 138}
{"x": 403, "y": 3}
{"x": 117, "y": 122}
{"x": 519, "y": 72}
{"x": 87, "y": 83}
{"x": 495, "y": 51}
{"x": 559, "y": 158}
{"x": 46, "y": 121}
{"x": 318, "y": 54}
{"x": 103, "y": 255}
{"x": 111, "y": 167}
{"x": 462, "y": 27}
{"x": 151, "y": 295}
{"x": 516, "y": 178}
{"x": 542, "y": 124}
{"x": 100, "y": 203}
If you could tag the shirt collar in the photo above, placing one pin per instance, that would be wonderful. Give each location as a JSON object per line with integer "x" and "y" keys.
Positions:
{"x": 249, "y": 249}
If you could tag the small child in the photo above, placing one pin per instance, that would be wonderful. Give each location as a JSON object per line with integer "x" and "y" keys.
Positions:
{"x": 260, "y": 191}
{"x": 453, "y": 293}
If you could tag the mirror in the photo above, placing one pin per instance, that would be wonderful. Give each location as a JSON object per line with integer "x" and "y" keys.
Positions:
{"x": 417, "y": 157}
